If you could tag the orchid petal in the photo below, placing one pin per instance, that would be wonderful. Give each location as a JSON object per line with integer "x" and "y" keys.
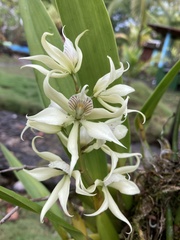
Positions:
{"x": 107, "y": 79}
{"x": 104, "y": 206}
{"x": 143, "y": 116}
{"x": 55, "y": 53}
{"x": 119, "y": 89}
{"x": 45, "y": 71}
{"x": 51, "y": 200}
{"x": 120, "y": 131}
{"x": 43, "y": 127}
{"x": 43, "y": 173}
{"x": 48, "y": 61}
{"x": 50, "y": 115}
{"x": 63, "y": 194}
{"x": 72, "y": 145}
{"x": 80, "y": 188}
{"x": 126, "y": 187}
{"x": 98, "y": 144}
{"x": 100, "y": 131}
{"x": 51, "y": 157}
{"x": 54, "y": 95}
{"x": 93, "y": 187}
{"x": 114, "y": 160}
{"x": 114, "y": 208}
{"x": 60, "y": 165}
{"x": 128, "y": 169}
{"x": 79, "y": 52}
{"x": 111, "y": 98}
{"x": 85, "y": 139}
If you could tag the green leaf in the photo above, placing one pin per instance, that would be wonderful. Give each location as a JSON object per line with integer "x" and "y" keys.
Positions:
{"x": 175, "y": 134}
{"x": 105, "y": 227}
{"x": 150, "y": 105}
{"x": 97, "y": 43}
{"x": 33, "y": 187}
{"x": 25, "y": 203}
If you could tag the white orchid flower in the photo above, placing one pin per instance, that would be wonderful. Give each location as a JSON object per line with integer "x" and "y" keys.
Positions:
{"x": 77, "y": 111}
{"x": 115, "y": 93}
{"x": 116, "y": 179}
{"x": 63, "y": 62}
{"x": 57, "y": 167}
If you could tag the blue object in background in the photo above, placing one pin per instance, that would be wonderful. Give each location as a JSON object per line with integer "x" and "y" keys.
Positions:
{"x": 16, "y": 48}
{"x": 19, "y": 49}
{"x": 165, "y": 49}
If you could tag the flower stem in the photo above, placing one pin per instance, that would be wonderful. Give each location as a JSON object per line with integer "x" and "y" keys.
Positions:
{"x": 75, "y": 82}
{"x": 169, "y": 224}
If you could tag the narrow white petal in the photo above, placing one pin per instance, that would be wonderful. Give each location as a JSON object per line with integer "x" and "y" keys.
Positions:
{"x": 51, "y": 200}
{"x": 63, "y": 194}
{"x": 114, "y": 160}
{"x": 61, "y": 165}
{"x": 72, "y": 145}
{"x": 70, "y": 52}
{"x": 104, "y": 81}
{"x": 80, "y": 188}
{"x": 107, "y": 79}
{"x": 112, "y": 98}
{"x": 119, "y": 89}
{"x": 51, "y": 157}
{"x": 48, "y": 61}
{"x": 105, "y": 100}
{"x": 126, "y": 187}
{"x": 102, "y": 208}
{"x": 85, "y": 139}
{"x": 55, "y": 53}
{"x": 43, "y": 127}
{"x": 100, "y": 113}
{"x": 114, "y": 208}
{"x": 120, "y": 131}
{"x": 43, "y": 173}
{"x": 128, "y": 169}
{"x": 143, "y": 116}
{"x": 49, "y": 115}
{"x": 79, "y": 52}
{"x": 37, "y": 67}
{"x": 98, "y": 144}
{"x": 93, "y": 187}
{"x": 100, "y": 131}
{"x": 54, "y": 95}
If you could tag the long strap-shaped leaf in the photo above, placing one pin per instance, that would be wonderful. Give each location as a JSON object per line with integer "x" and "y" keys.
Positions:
{"x": 33, "y": 187}
{"x": 25, "y": 203}
{"x": 98, "y": 42}
{"x": 96, "y": 45}
{"x": 150, "y": 105}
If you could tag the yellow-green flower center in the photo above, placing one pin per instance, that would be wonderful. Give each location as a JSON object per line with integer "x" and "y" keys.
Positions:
{"x": 81, "y": 106}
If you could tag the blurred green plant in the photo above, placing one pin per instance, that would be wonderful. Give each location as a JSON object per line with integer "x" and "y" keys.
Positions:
{"x": 99, "y": 44}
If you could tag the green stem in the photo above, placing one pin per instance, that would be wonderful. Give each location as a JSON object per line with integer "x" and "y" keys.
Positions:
{"x": 169, "y": 224}
{"x": 75, "y": 82}
{"x": 89, "y": 181}
{"x": 177, "y": 217}
{"x": 176, "y": 132}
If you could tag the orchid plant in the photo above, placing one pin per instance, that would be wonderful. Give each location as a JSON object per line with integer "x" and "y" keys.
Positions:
{"x": 79, "y": 76}
{"x": 82, "y": 128}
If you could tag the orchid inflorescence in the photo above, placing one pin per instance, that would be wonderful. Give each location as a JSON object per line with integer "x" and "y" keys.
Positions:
{"x": 82, "y": 128}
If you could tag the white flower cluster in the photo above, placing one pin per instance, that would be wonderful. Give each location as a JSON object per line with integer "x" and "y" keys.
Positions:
{"x": 88, "y": 128}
